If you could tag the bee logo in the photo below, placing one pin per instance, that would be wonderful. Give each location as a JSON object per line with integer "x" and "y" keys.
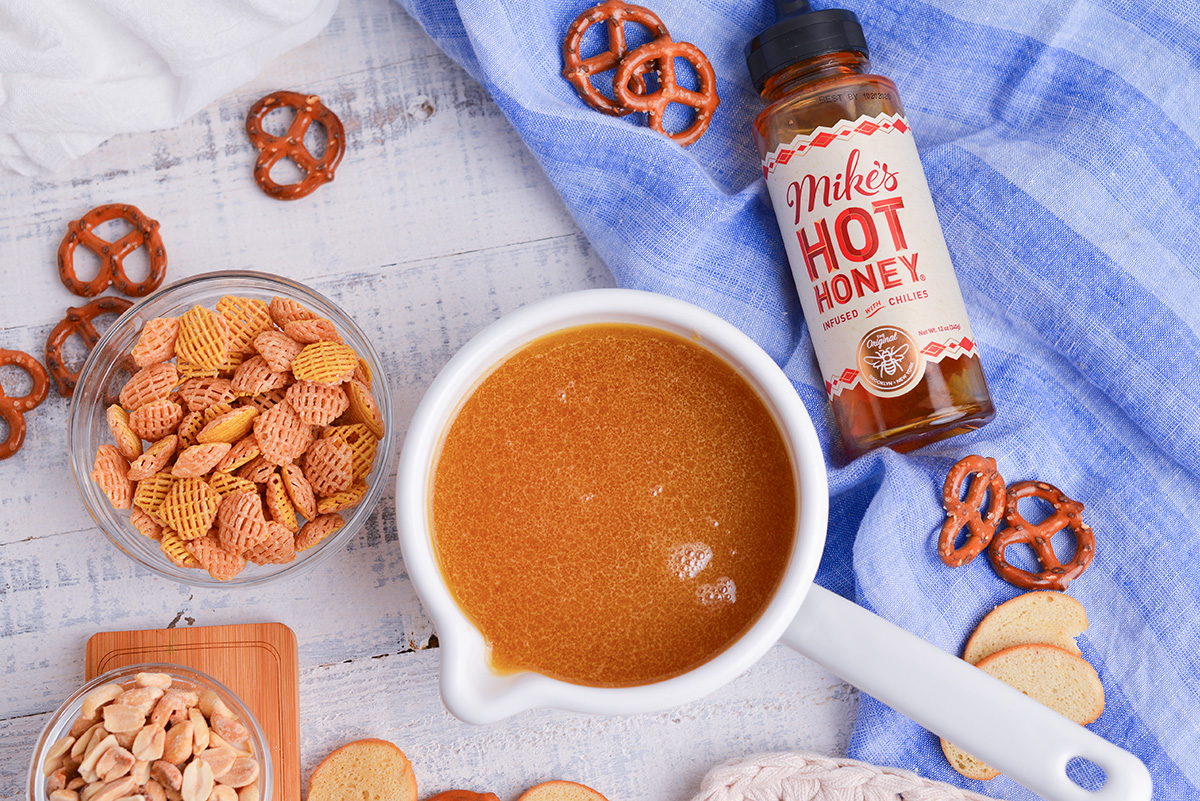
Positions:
{"x": 888, "y": 360}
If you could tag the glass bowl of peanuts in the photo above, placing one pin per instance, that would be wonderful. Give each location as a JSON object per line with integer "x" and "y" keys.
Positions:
{"x": 158, "y": 732}
{"x": 232, "y": 429}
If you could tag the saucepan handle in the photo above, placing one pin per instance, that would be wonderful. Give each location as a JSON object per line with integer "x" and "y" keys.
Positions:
{"x": 996, "y": 723}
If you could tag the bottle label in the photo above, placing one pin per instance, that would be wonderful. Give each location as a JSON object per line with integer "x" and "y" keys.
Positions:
{"x": 870, "y": 262}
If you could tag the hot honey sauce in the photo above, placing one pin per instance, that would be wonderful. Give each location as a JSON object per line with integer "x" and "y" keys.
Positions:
{"x": 896, "y": 351}
{"x": 612, "y": 506}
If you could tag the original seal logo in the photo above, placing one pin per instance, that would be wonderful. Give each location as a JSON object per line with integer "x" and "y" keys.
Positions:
{"x": 888, "y": 360}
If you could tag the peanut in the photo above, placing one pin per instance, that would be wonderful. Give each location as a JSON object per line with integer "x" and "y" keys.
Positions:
{"x": 80, "y": 725}
{"x": 84, "y": 740}
{"x": 154, "y": 791}
{"x": 166, "y": 774}
{"x": 197, "y": 781}
{"x": 140, "y": 698}
{"x": 60, "y": 748}
{"x": 243, "y": 771}
{"x": 178, "y": 745}
{"x": 122, "y": 718}
{"x": 200, "y": 733}
{"x": 223, "y": 792}
{"x": 140, "y": 772}
{"x": 216, "y": 741}
{"x": 231, "y": 730}
{"x": 115, "y": 763}
{"x": 87, "y": 768}
{"x": 57, "y": 780}
{"x": 64, "y": 795}
{"x": 249, "y": 793}
{"x": 111, "y": 791}
{"x": 148, "y": 744}
{"x": 211, "y": 704}
{"x": 98, "y": 698}
{"x": 51, "y": 764}
{"x": 219, "y": 759}
{"x": 160, "y": 680}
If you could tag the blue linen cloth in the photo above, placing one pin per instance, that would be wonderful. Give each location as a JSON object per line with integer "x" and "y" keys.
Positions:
{"x": 1060, "y": 140}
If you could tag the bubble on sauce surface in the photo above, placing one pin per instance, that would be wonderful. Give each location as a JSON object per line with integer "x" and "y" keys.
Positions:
{"x": 721, "y": 592}
{"x": 687, "y": 560}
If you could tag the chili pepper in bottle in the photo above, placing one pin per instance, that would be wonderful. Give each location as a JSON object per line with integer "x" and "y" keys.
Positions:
{"x": 883, "y": 306}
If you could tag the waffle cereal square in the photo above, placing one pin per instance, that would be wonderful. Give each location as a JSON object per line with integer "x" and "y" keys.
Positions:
{"x": 329, "y": 467}
{"x": 215, "y": 411}
{"x": 278, "y": 349}
{"x": 255, "y": 377}
{"x": 318, "y": 329}
{"x": 144, "y": 523}
{"x": 225, "y": 483}
{"x": 157, "y": 419}
{"x": 151, "y": 492}
{"x": 243, "y": 451}
{"x": 279, "y": 507}
{"x": 278, "y": 548}
{"x": 298, "y": 490}
{"x": 316, "y": 530}
{"x": 340, "y": 501}
{"x": 197, "y": 460}
{"x": 189, "y": 370}
{"x": 203, "y": 339}
{"x": 362, "y": 443}
{"x": 189, "y": 427}
{"x": 281, "y": 434}
{"x": 149, "y": 384}
{"x": 363, "y": 408}
{"x": 286, "y": 310}
{"x": 156, "y": 343}
{"x": 220, "y": 563}
{"x": 325, "y": 363}
{"x": 247, "y": 318}
{"x": 266, "y": 400}
{"x": 317, "y": 404}
{"x": 111, "y": 472}
{"x": 258, "y": 470}
{"x": 128, "y": 443}
{"x": 175, "y": 550}
{"x": 156, "y": 457}
{"x": 362, "y": 373}
{"x": 240, "y": 522}
{"x": 230, "y": 427}
{"x": 201, "y": 393}
{"x": 190, "y": 507}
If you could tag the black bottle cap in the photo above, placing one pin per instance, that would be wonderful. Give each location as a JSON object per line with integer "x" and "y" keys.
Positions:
{"x": 801, "y": 33}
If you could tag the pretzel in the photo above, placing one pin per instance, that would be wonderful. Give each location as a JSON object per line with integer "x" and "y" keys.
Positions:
{"x": 1054, "y": 574}
{"x": 77, "y": 321}
{"x": 967, "y": 512}
{"x": 664, "y": 51}
{"x": 112, "y": 254}
{"x": 272, "y": 149}
{"x": 12, "y": 410}
{"x": 579, "y": 70}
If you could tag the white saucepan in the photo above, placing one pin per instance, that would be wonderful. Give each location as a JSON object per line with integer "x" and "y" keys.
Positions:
{"x": 996, "y": 723}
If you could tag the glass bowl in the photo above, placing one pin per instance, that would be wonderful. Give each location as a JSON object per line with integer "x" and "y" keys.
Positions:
{"x": 63, "y": 719}
{"x": 107, "y": 368}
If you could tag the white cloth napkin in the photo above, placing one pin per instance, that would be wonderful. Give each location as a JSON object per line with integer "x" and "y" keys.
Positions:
{"x": 75, "y": 72}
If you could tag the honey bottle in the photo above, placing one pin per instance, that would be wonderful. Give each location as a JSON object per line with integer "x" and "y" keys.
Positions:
{"x": 883, "y": 306}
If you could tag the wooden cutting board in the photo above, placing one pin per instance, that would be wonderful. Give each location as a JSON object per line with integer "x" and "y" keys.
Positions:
{"x": 257, "y": 661}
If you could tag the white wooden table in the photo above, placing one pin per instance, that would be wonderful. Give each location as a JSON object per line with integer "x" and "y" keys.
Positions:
{"x": 439, "y": 222}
